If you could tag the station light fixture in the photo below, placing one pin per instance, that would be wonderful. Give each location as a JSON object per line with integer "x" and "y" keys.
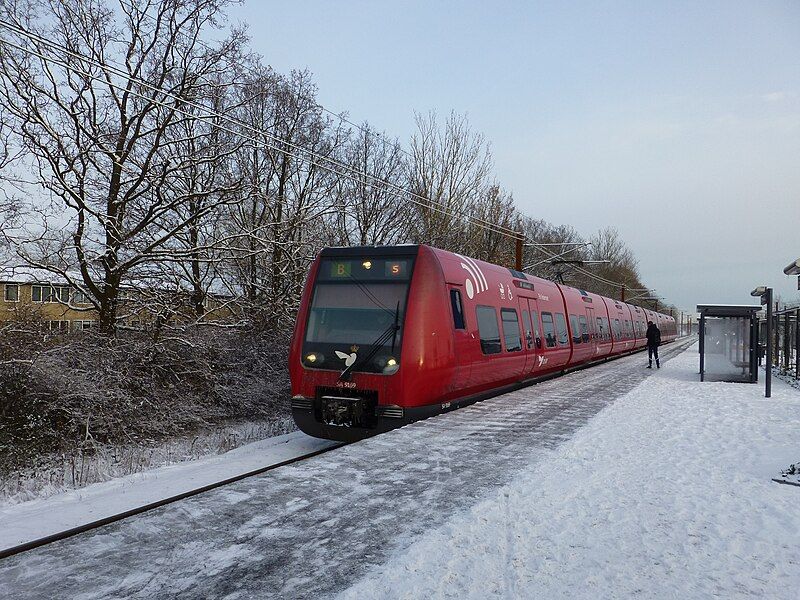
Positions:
{"x": 793, "y": 268}
{"x": 759, "y": 291}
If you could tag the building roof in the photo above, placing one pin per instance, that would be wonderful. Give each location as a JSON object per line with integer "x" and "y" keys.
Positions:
{"x": 25, "y": 274}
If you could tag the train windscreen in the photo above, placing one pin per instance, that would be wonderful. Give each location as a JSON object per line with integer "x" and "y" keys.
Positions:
{"x": 357, "y": 310}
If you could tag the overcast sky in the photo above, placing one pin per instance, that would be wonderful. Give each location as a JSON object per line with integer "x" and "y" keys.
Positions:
{"x": 676, "y": 122}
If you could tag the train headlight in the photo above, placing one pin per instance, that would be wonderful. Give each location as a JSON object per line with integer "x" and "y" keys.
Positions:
{"x": 367, "y": 264}
{"x": 313, "y": 359}
{"x": 392, "y": 365}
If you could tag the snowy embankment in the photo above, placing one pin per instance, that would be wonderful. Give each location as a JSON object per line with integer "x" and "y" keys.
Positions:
{"x": 667, "y": 493}
{"x": 27, "y": 521}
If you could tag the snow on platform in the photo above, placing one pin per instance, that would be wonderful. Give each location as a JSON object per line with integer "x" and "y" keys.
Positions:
{"x": 666, "y": 494}
{"x": 613, "y": 481}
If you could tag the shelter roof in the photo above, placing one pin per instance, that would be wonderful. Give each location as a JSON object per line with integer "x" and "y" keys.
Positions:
{"x": 728, "y": 310}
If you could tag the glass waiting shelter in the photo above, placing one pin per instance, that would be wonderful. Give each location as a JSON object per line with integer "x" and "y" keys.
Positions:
{"x": 728, "y": 342}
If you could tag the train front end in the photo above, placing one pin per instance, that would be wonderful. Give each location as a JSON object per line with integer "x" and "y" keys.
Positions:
{"x": 347, "y": 347}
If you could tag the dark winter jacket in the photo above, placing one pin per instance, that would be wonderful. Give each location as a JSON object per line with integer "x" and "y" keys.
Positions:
{"x": 653, "y": 335}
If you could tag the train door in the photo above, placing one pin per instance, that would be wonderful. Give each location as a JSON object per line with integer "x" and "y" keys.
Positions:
{"x": 588, "y": 330}
{"x": 463, "y": 346}
{"x": 532, "y": 342}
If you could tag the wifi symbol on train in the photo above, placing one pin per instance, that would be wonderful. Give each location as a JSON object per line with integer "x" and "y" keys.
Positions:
{"x": 475, "y": 282}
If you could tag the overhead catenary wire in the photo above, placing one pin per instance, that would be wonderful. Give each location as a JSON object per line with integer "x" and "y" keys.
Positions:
{"x": 339, "y": 116}
{"x": 315, "y": 157}
{"x": 312, "y": 157}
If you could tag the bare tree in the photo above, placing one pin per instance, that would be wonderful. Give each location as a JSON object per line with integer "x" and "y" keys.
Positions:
{"x": 205, "y": 147}
{"x": 622, "y": 268}
{"x": 559, "y": 243}
{"x": 449, "y": 168}
{"x": 492, "y": 243}
{"x": 94, "y": 94}
{"x": 287, "y": 189}
{"x": 369, "y": 211}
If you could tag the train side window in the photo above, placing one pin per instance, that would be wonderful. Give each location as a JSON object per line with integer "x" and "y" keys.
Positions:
{"x": 526, "y": 323}
{"x": 458, "y": 309}
{"x": 536, "y": 336}
{"x": 627, "y": 329}
{"x": 576, "y": 333}
{"x": 617, "y": 329}
{"x": 601, "y": 332}
{"x": 510, "y": 329}
{"x": 561, "y": 328}
{"x": 549, "y": 330}
{"x": 607, "y": 326}
{"x": 584, "y": 328}
{"x": 488, "y": 330}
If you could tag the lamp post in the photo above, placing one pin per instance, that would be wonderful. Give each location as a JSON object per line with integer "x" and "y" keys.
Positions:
{"x": 765, "y": 293}
{"x": 794, "y": 269}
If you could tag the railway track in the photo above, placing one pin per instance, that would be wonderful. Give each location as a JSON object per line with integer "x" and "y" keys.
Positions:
{"x": 670, "y": 350}
{"x": 314, "y": 527}
{"x": 62, "y": 535}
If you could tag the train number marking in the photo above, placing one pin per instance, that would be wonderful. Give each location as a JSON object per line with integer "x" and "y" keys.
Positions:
{"x": 542, "y": 360}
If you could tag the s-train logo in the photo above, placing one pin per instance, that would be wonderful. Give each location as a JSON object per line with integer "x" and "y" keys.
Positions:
{"x": 349, "y": 359}
{"x": 476, "y": 280}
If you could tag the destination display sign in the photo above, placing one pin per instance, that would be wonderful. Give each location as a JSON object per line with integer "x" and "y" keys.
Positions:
{"x": 365, "y": 269}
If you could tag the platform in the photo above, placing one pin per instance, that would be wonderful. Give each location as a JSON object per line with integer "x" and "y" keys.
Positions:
{"x": 353, "y": 515}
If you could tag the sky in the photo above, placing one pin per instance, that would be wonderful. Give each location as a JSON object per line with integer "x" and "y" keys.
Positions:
{"x": 678, "y": 123}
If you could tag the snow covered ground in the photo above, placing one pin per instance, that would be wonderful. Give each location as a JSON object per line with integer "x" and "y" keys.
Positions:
{"x": 55, "y": 474}
{"x": 611, "y": 482}
{"x": 665, "y": 494}
{"x": 27, "y": 521}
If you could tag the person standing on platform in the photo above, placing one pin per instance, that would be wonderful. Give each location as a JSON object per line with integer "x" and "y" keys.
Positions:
{"x": 653, "y": 342}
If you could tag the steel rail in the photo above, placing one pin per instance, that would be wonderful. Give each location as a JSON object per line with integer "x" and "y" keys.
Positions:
{"x": 62, "y": 535}
{"x": 680, "y": 344}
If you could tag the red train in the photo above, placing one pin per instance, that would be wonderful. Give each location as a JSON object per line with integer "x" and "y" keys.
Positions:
{"x": 389, "y": 335}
